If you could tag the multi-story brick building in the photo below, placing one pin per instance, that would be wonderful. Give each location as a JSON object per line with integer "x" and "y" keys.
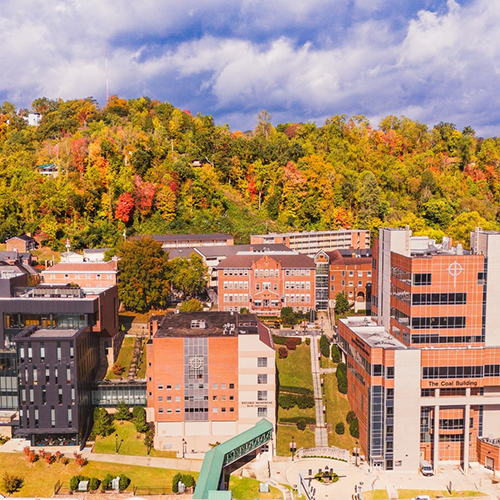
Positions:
{"x": 210, "y": 376}
{"x": 424, "y": 378}
{"x": 350, "y": 273}
{"x": 21, "y": 244}
{"x": 88, "y": 275}
{"x": 311, "y": 242}
{"x": 265, "y": 283}
{"x": 193, "y": 240}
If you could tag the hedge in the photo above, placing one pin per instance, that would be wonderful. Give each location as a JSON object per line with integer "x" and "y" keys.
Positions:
{"x": 282, "y": 340}
{"x": 296, "y": 390}
{"x": 295, "y": 420}
{"x": 303, "y": 401}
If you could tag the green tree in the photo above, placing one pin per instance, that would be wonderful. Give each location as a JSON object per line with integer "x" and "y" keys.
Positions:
{"x": 11, "y": 483}
{"x": 288, "y": 316}
{"x": 144, "y": 274}
{"x": 301, "y": 424}
{"x": 341, "y": 304}
{"x": 354, "y": 428}
{"x": 191, "y": 305}
{"x": 350, "y": 417}
{"x": 139, "y": 415}
{"x": 122, "y": 411}
{"x": 189, "y": 276}
{"x": 336, "y": 357}
{"x": 103, "y": 425}
{"x": 340, "y": 428}
{"x": 341, "y": 374}
{"x": 324, "y": 346}
{"x": 175, "y": 482}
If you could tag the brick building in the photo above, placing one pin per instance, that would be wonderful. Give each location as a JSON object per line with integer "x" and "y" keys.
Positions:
{"x": 266, "y": 283}
{"x": 210, "y": 376}
{"x": 193, "y": 240}
{"x": 424, "y": 374}
{"x": 89, "y": 275}
{"x": 20, "y": 244}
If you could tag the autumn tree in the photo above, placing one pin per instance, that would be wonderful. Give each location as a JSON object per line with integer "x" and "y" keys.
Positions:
{"x": 189, "y": 276}
{"x": 144, "y": 274}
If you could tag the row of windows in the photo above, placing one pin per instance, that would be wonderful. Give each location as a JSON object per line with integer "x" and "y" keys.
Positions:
{"x": 297, "y": 272}
{"x": 351, "y": 274}
{"x": 297, "y": 298}
{"x": 261, "y": 411}
{"x": 235, "y": 272}
{"x": 236, "y": 284}
{"x": 298, "y": 284}
{"x": 430, "y": 372}
{"x": 438, "y": 322}
{"x": 84, "y": 276}
{"x": 421, "y": 299}
{"x": 445, "y": 339}
{"x": 266, "y": 272}
{"x": 236, "y": 297}
{"x": 266, "y": 303}
{"x": 214, "y": 386}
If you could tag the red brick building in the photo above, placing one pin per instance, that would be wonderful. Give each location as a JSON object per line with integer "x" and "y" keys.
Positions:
{"x": 85, "y": 274}
{"x": 266, "y": 283}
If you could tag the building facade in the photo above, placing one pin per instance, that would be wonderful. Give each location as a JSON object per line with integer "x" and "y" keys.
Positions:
{"x": 424, "y": 373}
{"x": 210, "y": 376}
{"x": 310, "y": 243}
{"x": 21, "y": 244}
{"x": 266, "y": 283}
{"x": 193, "y": 240}
{"x": 88, "y": 275}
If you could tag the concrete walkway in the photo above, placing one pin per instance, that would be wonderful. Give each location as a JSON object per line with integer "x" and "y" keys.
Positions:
{"x": 327, "y": 370}
{"x": 321, "y": 436}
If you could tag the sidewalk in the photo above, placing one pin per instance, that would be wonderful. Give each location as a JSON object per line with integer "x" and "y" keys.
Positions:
{"x": 321, "y": 436}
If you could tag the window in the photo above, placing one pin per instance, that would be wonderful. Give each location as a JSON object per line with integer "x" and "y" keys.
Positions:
{"x": 223, "y": 409}
{"x": 231, "y": 409}
{"x": 160, "y": 387}
{"x": 262, "y": 378}
{"x": 351, "y": 274}
{"x": 160, "y": 399}
{"x": 177, "y": 410}
{"x": 214, "y": 398}
{"x": 422, "y": 279}
{"x": 342, "y": 273}
{"x": 351, "y": 283}
{"x": 332, "y": 288}
{"x": 160, "y": 410}
{"x": 261, "y": 395}
{"x": 262, "y": 362}
{"x": 223, "y": 386}
{"x": 231, "y": 386}
{"x": 231, "y": 398}
{"x": 169, "y": 387}
{"x": 360, "y": 274}
{"x": 215, "y": 410}
{"x": 262, "y": 412}
{"x": 332, "y": 278}
{"x": 360, "y": 283}
{"x": 169, "y": 398}
{"x": 215, "y": 386}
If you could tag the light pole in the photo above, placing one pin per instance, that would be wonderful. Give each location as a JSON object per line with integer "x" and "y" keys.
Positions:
{"x": 184, "y": 445}
{"x": 357, "y": 452}
{"x": 116, "y": 443}
{"x": 293, "y": 447}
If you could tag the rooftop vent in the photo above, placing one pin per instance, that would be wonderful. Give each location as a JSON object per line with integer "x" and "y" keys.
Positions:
{"x": 228, "y": 328}
{"x": 199, "y": 324}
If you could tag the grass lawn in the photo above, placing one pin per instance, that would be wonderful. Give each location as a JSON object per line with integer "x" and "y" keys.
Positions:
{"x": 296, "y": 412}
{"x": 124, "y": 357}
{"x": 337, "y": 408}
{"x": 141, "y": 365}
{"x": 244, "y": 488}
{"x": 39, "y": 479}
{"x": 326, "y": 362}
{"x": 133, "y": 443}
{"x": 303, "y": 439}
{"x": 134, "y": 317}
{"x": 405, "y": 494}
{"x": 45, "y": 253}
{"x": 295, "y": 370}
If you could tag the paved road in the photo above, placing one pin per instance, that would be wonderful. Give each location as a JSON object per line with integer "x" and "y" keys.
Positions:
{"x": 321, "y": 436}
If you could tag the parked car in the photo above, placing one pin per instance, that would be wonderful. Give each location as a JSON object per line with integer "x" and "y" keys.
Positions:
{"x": 426, "y": 468}
{"x": 422, "y": 497}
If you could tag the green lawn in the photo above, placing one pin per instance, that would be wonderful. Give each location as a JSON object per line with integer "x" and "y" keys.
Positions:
{"x": 244, "y": 488}
{"x": 39, "y": 479}
{"x": 295, "y": 370}
{"x": 141, "y": 366}
{"x": 303, "y": 439}
{"x": 326, "y": 362}
{"x": 337, "y": 408}
{"x": 405, "y": 494}
{"x": 132, "y": 444}
{"x": 124, "y": 357}
{"x": 296, "y": 412}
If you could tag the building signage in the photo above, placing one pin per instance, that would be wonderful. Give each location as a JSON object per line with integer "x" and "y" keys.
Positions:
{"x": 254, "y": 404}
{"x": 454, "y": 383}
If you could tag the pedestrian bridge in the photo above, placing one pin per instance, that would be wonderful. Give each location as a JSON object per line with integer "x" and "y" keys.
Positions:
{"x": 211, "y": 476}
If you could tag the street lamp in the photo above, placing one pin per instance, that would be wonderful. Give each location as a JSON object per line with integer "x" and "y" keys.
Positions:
{"x": 357, "y": 452}
{"x": 184, "y": 446}
{"x": 293, "y": 447}
{"x": 117, "y": 445}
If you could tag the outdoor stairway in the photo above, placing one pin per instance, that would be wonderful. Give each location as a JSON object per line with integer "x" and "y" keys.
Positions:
{"x": 320, "y": 435}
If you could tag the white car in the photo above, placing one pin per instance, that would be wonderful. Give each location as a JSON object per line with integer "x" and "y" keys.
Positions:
{"x": 422, "y": 497}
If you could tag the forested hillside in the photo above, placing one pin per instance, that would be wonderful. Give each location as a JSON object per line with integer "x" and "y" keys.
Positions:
{"x": 148, "y": 167}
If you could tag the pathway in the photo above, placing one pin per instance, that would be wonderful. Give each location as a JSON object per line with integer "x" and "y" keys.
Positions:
{"x": 321, "y": 436}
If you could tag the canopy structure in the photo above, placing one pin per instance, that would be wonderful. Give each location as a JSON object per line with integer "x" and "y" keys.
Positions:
{"x": 227, "y": 453}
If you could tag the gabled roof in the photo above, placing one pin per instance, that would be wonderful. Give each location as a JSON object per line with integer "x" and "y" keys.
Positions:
{"x": 288, "y": 260}
{"x": 23, "y": 237}
{"x": 82, "y": 267}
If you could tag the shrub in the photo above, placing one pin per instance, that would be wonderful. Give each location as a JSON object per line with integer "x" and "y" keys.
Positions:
{"x": 118, "y": 370}
{"x": 350, "y": 417}
{"x": 140, "y": 419}
{"x": 32, "y": 457}
{"x": 341, "y": 375}
{"x": 296, "y": 390}
{"x": 340, "y": 428}
{"x": 354, "y": 428}
{"x": 305, "y": 401}
{"x": 188, "y": 480}
{"x": 124, "y": 482}
{"x": 106, "y": 482}
{"x": 336, "y": 357}
{"x": 94, "y": 484}
{"x": 294, "y": 420}
{"x": 324, "y": 346}
{"x": 283, "y": 340}
{"x": 291, "y": 343}
{"x": 75, "y": 480}
{"x": 11, "y": 483}
{"x": 286, "y": 401}
{"x": 308, "y": 341}
{"x": 283, "y": 352}
{"x": 80, "y": 461}
{"x": 301, "y": 425}
{"x": 175, "y": 482}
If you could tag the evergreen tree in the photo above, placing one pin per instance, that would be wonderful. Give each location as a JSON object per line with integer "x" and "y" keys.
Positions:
{"x": 122, "y": 411}
{"x": 324, "y": 346}
{"x": 341, "y": 304}
{"x": 103, "y": 425}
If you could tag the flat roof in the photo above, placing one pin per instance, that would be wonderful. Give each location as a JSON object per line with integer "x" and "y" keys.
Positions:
{"x": 371, "y": 333}
{"x": 207, "y": 324}
{"x": 32, "y": 332}
{"x": 311, "y": 233}
{"x": 229, "y": 250}
{"x": 187, "y": 237}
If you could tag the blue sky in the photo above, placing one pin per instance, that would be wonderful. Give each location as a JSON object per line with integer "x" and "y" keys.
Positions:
{"x": 302, "y": 60}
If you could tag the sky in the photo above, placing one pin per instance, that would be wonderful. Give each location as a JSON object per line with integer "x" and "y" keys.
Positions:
{"x": 302, "y": 60}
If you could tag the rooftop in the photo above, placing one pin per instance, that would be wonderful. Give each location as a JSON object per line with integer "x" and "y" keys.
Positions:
{"x": 33, "y": 332}
{"x": 229, "y": 250}
{"x": 62, "y": 267}
{"x": 287, "y": 259}
{"x": 314, "y": 233}
{"x": 187, "y": 237}
{"x": 203, "y": 324}
{"x": 371, "y": 333}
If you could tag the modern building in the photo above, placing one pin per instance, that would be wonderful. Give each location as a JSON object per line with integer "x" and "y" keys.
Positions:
{"x": 311, "y": 242}
{"x": 265, "y": 283}
{"x": 210, "y": 376}
{"x": 94, "y": 254}
{"x": 192, "y": 240}
{"x": 56, "y": 368}
{"x": 88, "y": 275}
{"x": 424, "y": 371}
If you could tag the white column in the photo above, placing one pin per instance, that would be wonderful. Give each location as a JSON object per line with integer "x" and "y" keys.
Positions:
{"x": 435, "y": 459}
{"x": 466, "y": 432}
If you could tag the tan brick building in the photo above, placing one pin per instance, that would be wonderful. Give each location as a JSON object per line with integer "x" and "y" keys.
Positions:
{"x": 89, "y": 275}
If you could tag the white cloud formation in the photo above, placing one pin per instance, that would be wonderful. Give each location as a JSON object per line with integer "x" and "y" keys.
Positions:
{"x": 302, "y": 60}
